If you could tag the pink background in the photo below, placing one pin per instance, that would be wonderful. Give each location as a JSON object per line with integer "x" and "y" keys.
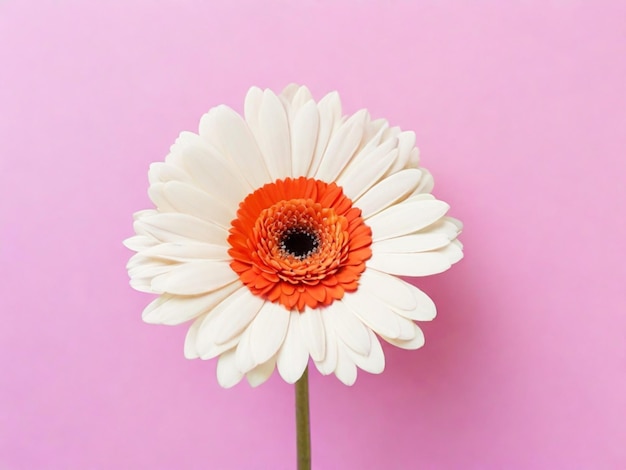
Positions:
{"x": 520, "y": 113}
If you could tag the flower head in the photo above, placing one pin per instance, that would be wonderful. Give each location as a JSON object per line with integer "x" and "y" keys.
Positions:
{"x": 281, "y": 235}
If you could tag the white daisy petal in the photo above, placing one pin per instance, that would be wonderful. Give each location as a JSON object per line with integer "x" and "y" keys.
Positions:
{"x": 407, "y": 217}
{"x": 415, "y": 343}
{"x": 173, "y": 310}
{"x": 361, "y": 176}
{"x": 414, "y": 243}
{"x": 388, "y": 191}
{"x": 212, "y": 173}
{"x": 304, "y": 131}
{"x": 349, "y": 328}
{"x": 252, "y": 104}
{"x": 190, "y": 350}
{"x": 403, "y": 298}
{"x": 187, "y": 199}
{"x": 142, "y": 284}
{"x": 187, "y": 251}
{"x": 157, "y": 196}
{"x": 176, "y": 227}
{"x": 392, "y": 291}
{"x": 140, "y": 242}
{"x": 406, "y": 144}
{"x": 313, "y": 334}
{"x": 426, "y": 183}
{"x": 293, "y": 355}
{"x": 301, "y": 96}
{"x": 346, "y": 369}
{"x": 227, "y": 373}
{"x": 328, "y": 365}
{"x": 261, "y": 373}
{"x": 416, "y": 264}
{"x": 341, "y": 147}
{"x": 329, "y": 109}
{"x": 140, "y": 266}
{"x": 374, "y": 361}
{"x": 162, "y": 172}
{"x": 272, "y": 135}
{"x": 227, "y": 130}
{"x": 268, "y": 330}
{"x": 243, "y": 357}
{"x": 376, "y": 314}
{"x": 212, "y": 350}
{"x": 230, "y": 317}
{"x": 195, "y": 277}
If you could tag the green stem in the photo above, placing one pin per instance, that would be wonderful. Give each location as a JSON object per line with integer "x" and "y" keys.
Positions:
{"x": 303, "y": 432}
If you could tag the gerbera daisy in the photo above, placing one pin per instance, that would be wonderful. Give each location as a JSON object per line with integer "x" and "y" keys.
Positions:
{"x": 281, "y": 235}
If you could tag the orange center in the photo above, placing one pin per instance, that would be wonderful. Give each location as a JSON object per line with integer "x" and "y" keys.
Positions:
{"x": 299, "y": 242}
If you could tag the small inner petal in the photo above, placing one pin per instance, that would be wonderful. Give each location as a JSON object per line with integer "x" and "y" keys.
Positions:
{"x": 299, "y": 242}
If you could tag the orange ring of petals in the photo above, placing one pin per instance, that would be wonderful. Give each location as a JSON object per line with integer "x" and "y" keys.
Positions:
{"x": 299, "y": 242}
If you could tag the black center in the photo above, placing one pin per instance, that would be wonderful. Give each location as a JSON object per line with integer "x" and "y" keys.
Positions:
{"x": 299, "y": 243}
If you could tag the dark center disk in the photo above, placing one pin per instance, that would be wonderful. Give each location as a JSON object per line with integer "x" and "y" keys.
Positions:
{"x": 300, "y": 244}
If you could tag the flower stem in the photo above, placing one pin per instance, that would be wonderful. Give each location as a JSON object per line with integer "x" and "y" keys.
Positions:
{"x": 303, "y": 432}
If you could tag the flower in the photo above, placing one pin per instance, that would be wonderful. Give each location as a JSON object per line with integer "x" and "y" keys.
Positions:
{"x": 281, "y": 235}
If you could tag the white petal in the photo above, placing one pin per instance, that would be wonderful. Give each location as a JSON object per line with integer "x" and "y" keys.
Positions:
{"x": 361, "y": 176}
{"x": 328, "y": 365}
{"x": 414, "y": 243}
{"x": 268, "y": 330}
{"x": 404, "y": 298}
{"x": 144, "y": 213}
{"x": 157, "y": 196}
{"x": 388, "y": 191}
{"x": 290, "y": 91}
{"x": 227, "y": 373}
{"x": 142, "y": 284}
{"x": 213, "y": 174}
{"x": 174, "y": 310}
{"x": 426, "y": 183}
{"x": 243, "y": 357}
{"x": 425, "y": 309}
{"x": 406, "y": 217}
{"x": 415, "y": 343}
{"x": 212, "y": 350}
{"x": 372, "y": 135}
{"x": 187, "y": 251}
{"x": 341, "y": 148}
{"x": 230, "y": 317}
{"x": 390, "y": 290}
{"x": 329, "y": 109}
{"x": 195, "y": 277}
{"x": 406, "y": 143}
{"x": 190, "y": 339}
{"x": 160, "y": 172}
{"x": 376, "y": 314}
{"x": 346, "y": 369}
{"x": 348, "y": 328}
{"x": 187, "y": 199}
{"x": 227, "y": 130}
{"x": 312, "y": 331}
{"x": 140, "y": 242}
{"x": 304, "y": 137}
{"x": 140, "y": 266}
{"x": 374, "y": 362}
{"x": 301, "y": 96}
{"x": 272, "y": 136}
{"x": 261, "y": 373}
{"x": 252, "y": 105}
{"x": 416, "y": 264}
{"x": 293, "y": 355}
{"x": 175, "y": 227}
